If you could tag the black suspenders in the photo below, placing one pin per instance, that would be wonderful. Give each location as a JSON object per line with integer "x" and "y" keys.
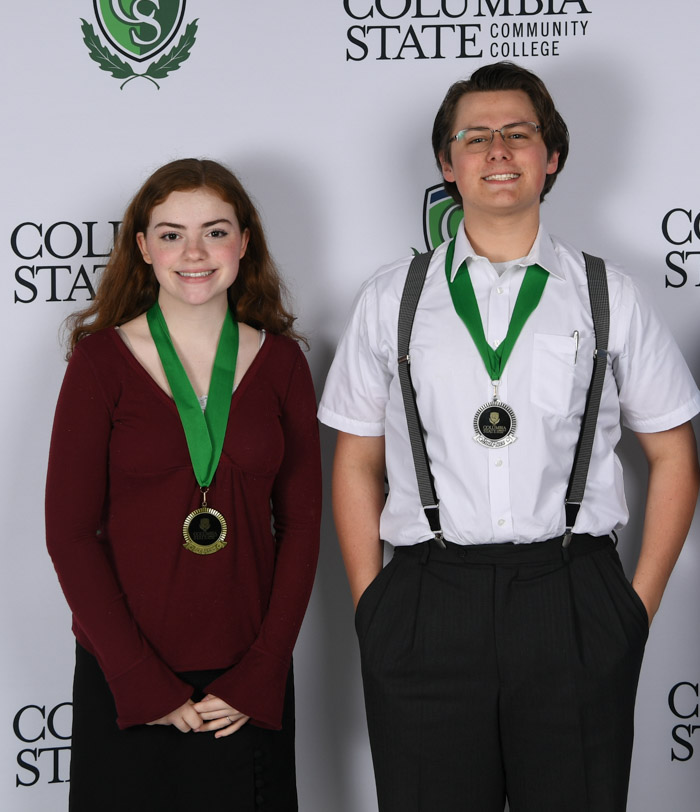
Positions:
{"x": 600, "y": 309}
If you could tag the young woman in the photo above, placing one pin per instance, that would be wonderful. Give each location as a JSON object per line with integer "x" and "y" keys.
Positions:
{"x": 183, "y": 508}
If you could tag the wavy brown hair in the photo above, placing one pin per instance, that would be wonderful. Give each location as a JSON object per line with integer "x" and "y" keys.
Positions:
{"x": 128, "y": 286}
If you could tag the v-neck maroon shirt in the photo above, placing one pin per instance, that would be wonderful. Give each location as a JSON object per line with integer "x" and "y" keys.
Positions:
{"x": 120, "y": 484}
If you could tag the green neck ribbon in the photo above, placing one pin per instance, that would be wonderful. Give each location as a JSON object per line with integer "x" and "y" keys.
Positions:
{"x": 204, "y": 431}
{"x": 464, "y": 300}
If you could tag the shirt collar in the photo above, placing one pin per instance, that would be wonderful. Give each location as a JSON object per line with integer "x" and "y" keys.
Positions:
{"x": 542, "y": 253}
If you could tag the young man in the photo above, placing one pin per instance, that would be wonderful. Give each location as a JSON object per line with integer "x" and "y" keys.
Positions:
{"x": 500, "y": 654}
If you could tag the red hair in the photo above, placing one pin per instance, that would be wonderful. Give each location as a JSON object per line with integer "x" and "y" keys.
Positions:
{"x": 128, "y": 286}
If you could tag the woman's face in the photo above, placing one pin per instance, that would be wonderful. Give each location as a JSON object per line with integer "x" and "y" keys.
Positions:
{"x": 194, "y": 243}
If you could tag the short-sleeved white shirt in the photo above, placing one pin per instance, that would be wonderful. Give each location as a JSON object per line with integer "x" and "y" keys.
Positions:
{"x": 514, "y": 493}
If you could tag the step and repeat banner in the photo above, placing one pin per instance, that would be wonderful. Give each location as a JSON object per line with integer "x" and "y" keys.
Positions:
{"x": 324, "y": 109}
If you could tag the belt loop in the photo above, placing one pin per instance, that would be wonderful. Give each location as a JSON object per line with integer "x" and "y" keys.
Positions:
{"x": 425, "y": 554}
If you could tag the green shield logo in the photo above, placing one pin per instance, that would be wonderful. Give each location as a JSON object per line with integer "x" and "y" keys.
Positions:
{"x": 441, "y": 216}
{"x": 139, "y": 29}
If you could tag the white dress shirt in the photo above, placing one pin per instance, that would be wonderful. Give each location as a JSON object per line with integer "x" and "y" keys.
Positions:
{"x": 514, "y": 493}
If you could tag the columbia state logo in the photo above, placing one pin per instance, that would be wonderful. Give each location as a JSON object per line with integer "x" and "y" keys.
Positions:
{"x": 441, "y": 216}
{"x": 140, "y": 31}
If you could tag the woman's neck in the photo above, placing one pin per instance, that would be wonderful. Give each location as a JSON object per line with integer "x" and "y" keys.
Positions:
{"x": 195, "y": 331}
{"x": 194, "y": 323}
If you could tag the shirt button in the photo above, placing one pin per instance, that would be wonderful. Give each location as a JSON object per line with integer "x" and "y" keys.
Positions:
{"x": 501, "y": 522}
{"x": 496, "y": 342}
{"x": 499, "y": 291}
{"x": 499, "y": 463}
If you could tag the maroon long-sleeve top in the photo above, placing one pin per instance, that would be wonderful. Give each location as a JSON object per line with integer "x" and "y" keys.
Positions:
{"x": 120, "y": 484}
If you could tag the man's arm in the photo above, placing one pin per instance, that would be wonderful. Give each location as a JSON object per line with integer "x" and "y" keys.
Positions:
{"x": 671, "y": 497}
{"x": 358, "y": 499}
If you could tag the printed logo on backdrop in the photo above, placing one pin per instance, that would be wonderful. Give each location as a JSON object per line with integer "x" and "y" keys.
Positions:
{"x": 442, "y": 216}
{"x": 60, "y": 262}
{"x": 684, "y": 703}
{"x": 681, "y": 229}
{"x": 463, "y": 29}
{"x": 47, "y": 733}
{"x": 139, "y": 30}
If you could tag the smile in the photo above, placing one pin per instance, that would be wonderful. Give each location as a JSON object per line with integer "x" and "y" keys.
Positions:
{"x": 508, "y": 176}
{"x": 194, "y": 275}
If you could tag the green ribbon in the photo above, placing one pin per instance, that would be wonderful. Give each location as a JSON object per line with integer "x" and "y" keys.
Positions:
{"x": 204, "y": 431}
{"x": 464, "y": 300}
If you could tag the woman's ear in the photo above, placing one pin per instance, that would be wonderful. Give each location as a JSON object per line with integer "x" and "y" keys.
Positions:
{"x": 141, "y": 242}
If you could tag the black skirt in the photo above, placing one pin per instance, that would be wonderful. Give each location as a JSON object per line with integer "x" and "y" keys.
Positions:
{"x": 152, "y": 768}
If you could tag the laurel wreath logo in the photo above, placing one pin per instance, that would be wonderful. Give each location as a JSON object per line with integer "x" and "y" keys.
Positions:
{"x": 122, "y": 70}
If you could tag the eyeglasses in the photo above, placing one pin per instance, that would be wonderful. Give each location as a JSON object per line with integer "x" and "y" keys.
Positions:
{"x": 515, "y": 136}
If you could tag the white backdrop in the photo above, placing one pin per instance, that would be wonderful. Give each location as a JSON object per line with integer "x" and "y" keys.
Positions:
{"x": 324, "y": 109}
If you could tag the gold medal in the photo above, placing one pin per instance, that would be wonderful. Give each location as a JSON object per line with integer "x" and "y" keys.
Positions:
{"x": 204, "y": 529}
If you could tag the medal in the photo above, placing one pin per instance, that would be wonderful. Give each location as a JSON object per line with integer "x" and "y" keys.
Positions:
{"x": 204, "y": 529}
{"x": 494, "y": 422}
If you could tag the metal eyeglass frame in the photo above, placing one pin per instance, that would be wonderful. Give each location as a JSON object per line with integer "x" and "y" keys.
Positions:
{"x": 487, "y": 144}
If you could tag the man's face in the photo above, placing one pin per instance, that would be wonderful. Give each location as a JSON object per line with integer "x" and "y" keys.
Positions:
{"x": 501, "y": 180}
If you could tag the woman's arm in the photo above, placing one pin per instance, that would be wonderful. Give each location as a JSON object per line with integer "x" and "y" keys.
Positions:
{"x": 144, "y": 688}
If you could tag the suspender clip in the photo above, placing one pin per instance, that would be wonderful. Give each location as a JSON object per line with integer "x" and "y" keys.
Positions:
{"x": 432, "y": 514}
{"x": 571, "y": 510}
{"x": 565, "y": 544}
{"x": 600, "y": 354}
{"x": 405, "y": 359}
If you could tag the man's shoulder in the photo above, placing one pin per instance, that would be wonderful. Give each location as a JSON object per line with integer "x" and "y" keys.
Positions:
{"x": 571, "y": 258}
{"x": 389, "y": 279}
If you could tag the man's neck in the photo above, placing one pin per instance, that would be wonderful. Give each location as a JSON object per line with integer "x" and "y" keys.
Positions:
{"x": 503, "y": 239}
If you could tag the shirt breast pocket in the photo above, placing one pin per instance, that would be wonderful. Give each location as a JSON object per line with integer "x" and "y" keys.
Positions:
{"x": 553, "y": 380}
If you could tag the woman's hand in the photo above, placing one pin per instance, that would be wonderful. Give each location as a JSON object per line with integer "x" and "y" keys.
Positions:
{"x": 218, "y": 716}
{"x": 184, "y": 718}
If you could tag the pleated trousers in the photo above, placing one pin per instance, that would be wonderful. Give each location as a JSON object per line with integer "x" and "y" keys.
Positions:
{"x": 502, "y": 671}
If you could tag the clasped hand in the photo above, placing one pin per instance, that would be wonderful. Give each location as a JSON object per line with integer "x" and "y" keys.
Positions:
{"x": 210, "y": 714}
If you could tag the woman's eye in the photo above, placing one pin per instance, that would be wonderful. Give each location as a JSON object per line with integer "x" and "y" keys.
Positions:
{"x": 169, "y": 236}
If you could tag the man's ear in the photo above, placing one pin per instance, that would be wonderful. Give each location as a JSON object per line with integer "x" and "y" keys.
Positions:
{"x": 446, "y": 167}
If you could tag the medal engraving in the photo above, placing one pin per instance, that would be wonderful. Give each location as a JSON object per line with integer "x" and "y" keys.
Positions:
{"x": 204, "y": 531}
{"x": 494, "y": 425}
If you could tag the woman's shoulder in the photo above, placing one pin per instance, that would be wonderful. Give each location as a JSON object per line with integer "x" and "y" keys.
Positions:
{"x": 135, "y": 332}
{"x": 100, "y": 343}
{"x": 103, "y": 355}
{"x": 287, "y": 365}
{"x": 284, "y": 349}
{"x": 96, "y": 364}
